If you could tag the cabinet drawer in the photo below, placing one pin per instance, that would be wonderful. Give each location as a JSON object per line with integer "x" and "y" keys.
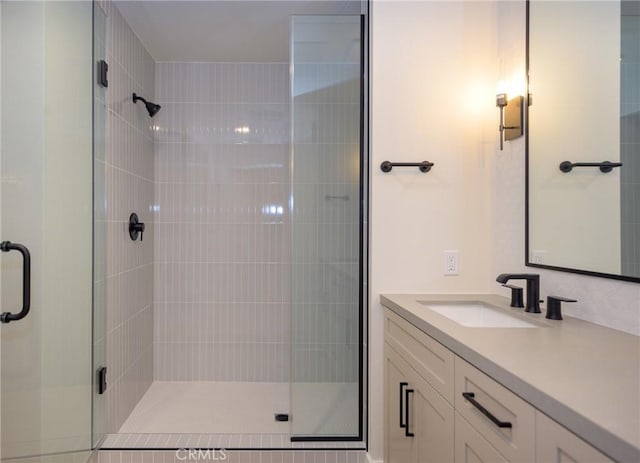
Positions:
{"x": 471, "y": 447}
{"x": 516, "y": 441}
{"x": 428, "y": 357}
{"x": 557, "y": 444}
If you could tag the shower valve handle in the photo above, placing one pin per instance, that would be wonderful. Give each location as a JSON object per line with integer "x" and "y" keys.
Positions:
{"x": 135, "y": 227}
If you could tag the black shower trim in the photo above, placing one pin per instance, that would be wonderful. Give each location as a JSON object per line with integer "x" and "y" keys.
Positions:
{"x": 152, "y": 108}
{"x": 135, "y": 227}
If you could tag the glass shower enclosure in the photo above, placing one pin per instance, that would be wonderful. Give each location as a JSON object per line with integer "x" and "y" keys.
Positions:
{"x": 46, "y": 230}
{"x": 327, "y": 231}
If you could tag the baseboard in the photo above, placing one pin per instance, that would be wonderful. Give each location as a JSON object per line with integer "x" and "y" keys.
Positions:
{"x": 371, "y": 460}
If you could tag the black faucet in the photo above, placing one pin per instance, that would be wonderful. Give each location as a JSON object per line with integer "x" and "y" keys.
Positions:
{"x": 533, "y": 288}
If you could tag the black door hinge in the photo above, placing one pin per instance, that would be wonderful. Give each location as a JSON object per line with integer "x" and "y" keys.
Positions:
{"x": 102, "y": 380}
{"x": 103, "y": 67}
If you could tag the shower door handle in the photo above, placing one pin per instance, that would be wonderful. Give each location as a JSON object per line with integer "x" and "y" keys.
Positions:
{"x": 7, "y": 246}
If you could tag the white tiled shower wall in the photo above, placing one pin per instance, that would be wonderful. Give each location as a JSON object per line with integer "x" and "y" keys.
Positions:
{"x": 225, "y": 237}
{"x": 129, "y": 170}
{"x": 222, "y": 255}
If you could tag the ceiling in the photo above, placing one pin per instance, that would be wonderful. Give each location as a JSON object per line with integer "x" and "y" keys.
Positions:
{"x": 222, "y": 31}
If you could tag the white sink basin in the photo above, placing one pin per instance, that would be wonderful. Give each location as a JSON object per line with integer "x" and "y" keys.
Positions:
{"x": 477, "y": 315}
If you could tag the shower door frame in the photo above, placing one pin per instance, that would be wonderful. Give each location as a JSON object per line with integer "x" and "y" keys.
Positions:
{"x": 363, "y": 261}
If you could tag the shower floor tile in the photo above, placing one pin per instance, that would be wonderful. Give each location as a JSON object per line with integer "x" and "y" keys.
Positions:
{"x": 236, "y": 415}
{"x": 203, "y": 407}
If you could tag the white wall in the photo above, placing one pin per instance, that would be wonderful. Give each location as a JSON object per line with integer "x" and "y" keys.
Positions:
{"x": 433, "y": 76}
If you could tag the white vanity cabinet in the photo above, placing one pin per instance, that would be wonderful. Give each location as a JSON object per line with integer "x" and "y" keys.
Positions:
{"x": 418, "y": 419}
{"x": 556, "y": 444}
{"x": 440, "y": 408}
{"x": 398, "y": 446}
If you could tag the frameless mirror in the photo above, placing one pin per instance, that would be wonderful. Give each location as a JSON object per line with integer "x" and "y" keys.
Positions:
{"x": 583, "y": 143}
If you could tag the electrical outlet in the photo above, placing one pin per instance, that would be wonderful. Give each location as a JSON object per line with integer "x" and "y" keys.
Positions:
{"x": 451, "y": 263}
{"x": 538, "y": 256}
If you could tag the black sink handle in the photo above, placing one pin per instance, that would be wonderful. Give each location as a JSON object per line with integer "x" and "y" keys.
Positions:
{"x": 554, "y": 307}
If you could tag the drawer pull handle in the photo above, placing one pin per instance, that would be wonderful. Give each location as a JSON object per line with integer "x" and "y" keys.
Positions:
{"x": 470, "y": 396}
{"x": 407, "y": 433}
{"x": 402, "y": 409}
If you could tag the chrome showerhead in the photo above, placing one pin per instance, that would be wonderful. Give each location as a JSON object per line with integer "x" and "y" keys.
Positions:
{"x": 152, "y": 108}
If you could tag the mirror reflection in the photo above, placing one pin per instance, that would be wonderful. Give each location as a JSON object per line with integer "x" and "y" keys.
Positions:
{"x": 584, "y": 84}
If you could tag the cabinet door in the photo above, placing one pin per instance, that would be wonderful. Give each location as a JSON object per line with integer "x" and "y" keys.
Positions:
{"x": 427, "y": 416}
{"x": 398, "y": 447}
{"x": 556, "y": 444}
{"x": 431, "y": 420}
{"x": 471, "y": 447}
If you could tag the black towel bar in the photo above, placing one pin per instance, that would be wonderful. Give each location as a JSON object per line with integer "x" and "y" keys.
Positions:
{"x": 424, "y": 166}
{"x": 605, "y": 166}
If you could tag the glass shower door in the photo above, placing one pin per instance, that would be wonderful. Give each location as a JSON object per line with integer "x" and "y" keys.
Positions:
{"x": 327, "y": 223}
{"x": 46, "y": 207}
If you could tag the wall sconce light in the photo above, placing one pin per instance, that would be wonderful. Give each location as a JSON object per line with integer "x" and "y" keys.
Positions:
{"x": 510, "y": 117}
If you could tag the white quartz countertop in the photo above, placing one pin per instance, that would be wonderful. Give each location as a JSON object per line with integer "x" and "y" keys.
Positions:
{"x": 584, "y": 376}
